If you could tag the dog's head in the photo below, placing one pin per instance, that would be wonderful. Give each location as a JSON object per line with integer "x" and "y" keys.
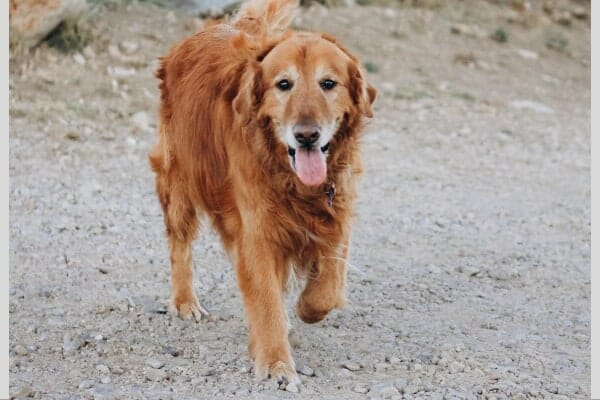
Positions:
{"x": 304, "y": 87}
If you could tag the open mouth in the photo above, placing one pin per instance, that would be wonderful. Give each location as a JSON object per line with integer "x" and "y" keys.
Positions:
{"x": 310, "y": 164}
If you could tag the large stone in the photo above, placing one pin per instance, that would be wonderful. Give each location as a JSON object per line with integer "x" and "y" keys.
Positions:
{"x": 32, "y": 20}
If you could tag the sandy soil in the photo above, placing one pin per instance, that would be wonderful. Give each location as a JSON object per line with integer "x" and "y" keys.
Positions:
{"x": 469, "y": 273}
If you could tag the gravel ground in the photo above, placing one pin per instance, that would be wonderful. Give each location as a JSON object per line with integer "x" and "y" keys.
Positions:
{"x": 469, "y": 274}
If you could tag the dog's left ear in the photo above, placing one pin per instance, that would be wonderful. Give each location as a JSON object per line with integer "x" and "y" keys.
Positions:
{"x": 249, "y": 94}
{"x": 362, "y": 93}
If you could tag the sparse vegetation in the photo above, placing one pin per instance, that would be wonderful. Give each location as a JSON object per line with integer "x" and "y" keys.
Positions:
{"x": 500, "y": 35}
{"x": 464, "y": 95}
{"x": 371, "y": 67}
{"x": 70, "y": 36}
{"x": 556, "y": 41}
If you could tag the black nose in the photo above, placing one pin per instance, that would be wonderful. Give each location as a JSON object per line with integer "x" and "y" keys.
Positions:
{"x": 306, "y": 134}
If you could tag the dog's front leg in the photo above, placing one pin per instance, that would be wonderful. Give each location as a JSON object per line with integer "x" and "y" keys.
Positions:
{"x": 325, "y": 288}
{"x": 262, "y": 276}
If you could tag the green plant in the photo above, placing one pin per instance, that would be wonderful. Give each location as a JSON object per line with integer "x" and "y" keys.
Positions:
{"x": 70, "y": 36}
{"x": 371, "y": 67}
{"x": 557, "y": 41}
{"x": 500, "y": 35}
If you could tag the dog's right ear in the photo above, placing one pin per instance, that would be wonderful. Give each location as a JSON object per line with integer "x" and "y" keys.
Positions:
{"x": 250, "y": 92}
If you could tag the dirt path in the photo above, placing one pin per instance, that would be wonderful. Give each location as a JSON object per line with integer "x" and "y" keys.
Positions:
{"x": 469, "y": 272}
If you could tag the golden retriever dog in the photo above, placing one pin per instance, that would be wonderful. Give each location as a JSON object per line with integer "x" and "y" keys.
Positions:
{"x": 259, "y": 131}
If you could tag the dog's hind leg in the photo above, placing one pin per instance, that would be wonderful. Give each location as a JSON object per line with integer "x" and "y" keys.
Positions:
{"x": 181, "y": 221}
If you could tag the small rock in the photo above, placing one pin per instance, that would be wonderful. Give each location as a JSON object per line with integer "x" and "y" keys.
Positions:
{"x": 71, "y": 344}
{"x": 305, "y": 370}
{"x": 103, "y": 392}
{"x": 20, "y": 350}
{"x": 105, "y": 379}
{"x": 412, "y": 389}
{"x": 206, "y": 372}
{"x": 103, "y": 368}
{"x": 562, "y": 17}
{"x": 121, "y": 72}
{"x": 531, "y": 105}
{"x": 351, "y": 366}
{"x": 579, "y": 12}
{"x": 171, "y": 350}
{"x": 23, "y": 392}
{"x": 467, "y": 30}
{"x": 113, "y": 51}
{"x": 527, "y": 54}
{"x": 89, "y": 52}
{"x": 117, "y": 370}
{"x": 79, "y": 59}
{"x": 88, "y": 383}
{"x": 383, "y": 390}
{"x": 73, "y": 135}
{"x": 155, "y": 375}
{"x": 455, "y": 367}
{"x": 171, "y": 18}
{"x": 156, "y": 364}
{"x": 129, "y": 47}
{"x": 292, "y": 387}
{"x": 141, "y": 121}
{"x": 401, "y": 384}
{"x": 360, "y": 389}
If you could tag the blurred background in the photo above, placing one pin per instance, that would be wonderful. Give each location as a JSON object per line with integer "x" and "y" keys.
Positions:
{"x": 469, "y": 270}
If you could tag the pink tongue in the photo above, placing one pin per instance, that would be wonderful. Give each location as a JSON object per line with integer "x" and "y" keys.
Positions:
{"x": 310, "y": 166}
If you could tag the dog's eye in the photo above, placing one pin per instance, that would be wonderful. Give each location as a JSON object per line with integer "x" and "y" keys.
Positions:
{"x": 284, "y": 84}
{"x": 328, "y": 84}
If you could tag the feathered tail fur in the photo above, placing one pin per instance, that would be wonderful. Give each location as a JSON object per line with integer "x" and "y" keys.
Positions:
{"x": 267, "y": 19}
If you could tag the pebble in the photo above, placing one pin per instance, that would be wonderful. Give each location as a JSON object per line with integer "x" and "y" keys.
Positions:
{"x": 141, "y": 121}
{"x": 71, "y": 344}
{"x": 156, "y": 364}
{"x": 79, "y": 59}
{"x": 117, "y": 370}
{"x": 102, "y": 368}
{"x": 88, "y": 383}
{"x": 527, "y": 54}
{"x": 171, "y": 350}
{"x": 455, "y": 367}
{"x": 360, "y": 389}
{"x": 292, "y": 387}
{"x": 579, "y": 12}
{"x": 121, "y": 72}
{"x": 24, "y": 391}
{"x": 401, "y": 384}
{"x": 20, "y": 350}
{"x": 412, "y": 389}
{"x": 531, "y": 105}
{"x": 463, "y": 29}
{"x": 103, "y": 392}
{"x": 383, "y": 390}
{"x": 351, "y": 366}
{"x": 128, "y": 47}
{"x": 305, "y": 370}
{"x": 155, "y": 375}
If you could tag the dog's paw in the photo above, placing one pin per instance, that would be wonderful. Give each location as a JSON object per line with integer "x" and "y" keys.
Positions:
{"x": 307, "y": 313}
{"x": 188, "y": 308}
{"x": 284, "y": 373}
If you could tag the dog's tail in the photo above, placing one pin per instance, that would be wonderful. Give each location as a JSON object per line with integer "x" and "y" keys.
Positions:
{"x": 268, "y": 19}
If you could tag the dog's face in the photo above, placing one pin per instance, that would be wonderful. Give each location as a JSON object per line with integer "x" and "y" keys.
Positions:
{"x": 304, "y": 87}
